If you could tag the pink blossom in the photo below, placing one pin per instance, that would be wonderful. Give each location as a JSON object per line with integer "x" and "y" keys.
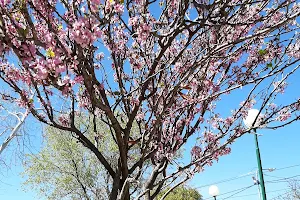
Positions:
{"x": 140, "y": 116}
{"x": 60, "y": 68}
{"x": 133, "y": 21}
{"x": 83, "y": 101}
{"x": 82, "y": 33}
{"x": 280, "y": 86}
{"x": 196, "y": 152}
{"x": 273, "y": 106}
{"x": 42, "y": 72}
{"x": 78, "y": 79}
{"x": 135, "y": 101}
{"x": 229, "y": 121}
{"x": 248, "y": 104}
{"x": 284, "y": 114}
{"x": 119, "y": 8}
{"x": 209, "y": 137}
{"x": 3, "y": 3}
{"x": 64, "y": 120}
{"x": 143, "y": 32}
{"x": 100, "y": 56}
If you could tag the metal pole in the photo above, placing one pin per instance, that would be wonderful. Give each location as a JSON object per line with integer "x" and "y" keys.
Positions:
{"x": 215, "y": 197}
{"x": 261, "y": 176}
{"x": 258, "y": 185}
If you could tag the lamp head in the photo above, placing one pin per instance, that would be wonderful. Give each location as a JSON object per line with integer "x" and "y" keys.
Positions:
{"x": 213, "y": 191}
{"x": 252, "y": 114}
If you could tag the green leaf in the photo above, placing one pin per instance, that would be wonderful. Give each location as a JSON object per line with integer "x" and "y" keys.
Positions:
{"x": 262, "y": 52}
{"x": 161, "y": 84}
{"x": 269, "y": 65}
{"x": 23, "y": 32}
{"x": 116, "y": 93}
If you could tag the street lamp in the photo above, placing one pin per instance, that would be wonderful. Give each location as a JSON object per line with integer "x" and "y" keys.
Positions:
{"x": 256, "y": 181}
{"x": 249, "y": 122}
{"x": 213, "y": 191}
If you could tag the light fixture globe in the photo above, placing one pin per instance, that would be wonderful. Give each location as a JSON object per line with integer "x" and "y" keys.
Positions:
{"x": 213, "y": 191}
{"x": 252, "y": 114}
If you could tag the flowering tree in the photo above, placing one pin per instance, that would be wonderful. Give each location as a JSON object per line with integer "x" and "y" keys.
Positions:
{"x": 163, "y": 65}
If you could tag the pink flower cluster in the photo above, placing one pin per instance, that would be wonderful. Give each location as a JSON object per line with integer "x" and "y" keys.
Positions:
{"x": 3, "y": 3}
{"x": 284, "y": 114}
{"x": 196, "y": 152}
{"x": 280, "y": 86}
{"x": 64, "y": 120}
{"x": 133, "y": 21}
{"x": 85, "y": 31}
{"x": 143, "y": 32}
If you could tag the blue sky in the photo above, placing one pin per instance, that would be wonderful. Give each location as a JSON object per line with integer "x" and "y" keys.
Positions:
{"x": 279, "y": 149}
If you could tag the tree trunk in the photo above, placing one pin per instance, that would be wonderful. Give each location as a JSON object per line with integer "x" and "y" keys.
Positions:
{"x": 116, "y": 185}
{"x": 147, "y": 196}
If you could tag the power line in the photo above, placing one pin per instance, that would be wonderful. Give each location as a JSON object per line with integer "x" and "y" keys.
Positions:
{"x": 245, "y": 175}
{"x": 240, "y": 190}
{"x": 257, "y": 193}
{"x": 287, "y": 167}
{"x": 249, "y": 174}
{"x": 284, "y": 179}
{"x": 245, "y": 188}
{"x": 273, "y": 176}
{"x": 226, "y": 180}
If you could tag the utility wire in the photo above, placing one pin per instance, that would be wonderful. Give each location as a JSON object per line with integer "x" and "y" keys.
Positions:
{"x": 239, "y": 190}
{"x": 282, "y": 179}
{"x": 256, "y": 193}
{"x": 226, "y": 180}
{"x": 274, "y": 176}
{"x": 287, "y": 167}
{"x": 244, "y": 175}
{"x": 249, "y": 174}
{"x": 245, "y": 188}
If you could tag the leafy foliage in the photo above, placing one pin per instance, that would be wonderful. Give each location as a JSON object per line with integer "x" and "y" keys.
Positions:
{"x": 65, "y": 169}
{"x": 181, "y": 193}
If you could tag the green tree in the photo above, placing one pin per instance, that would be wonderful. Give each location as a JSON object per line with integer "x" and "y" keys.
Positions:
{"x": 181, "y": 193}
{"x": 64, "y": 168}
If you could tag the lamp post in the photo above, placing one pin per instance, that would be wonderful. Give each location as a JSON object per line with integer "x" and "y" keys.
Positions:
{"x": 213, "y": 191}
{"x": 256, "y": 182}
{"x": 249, "y": 122}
